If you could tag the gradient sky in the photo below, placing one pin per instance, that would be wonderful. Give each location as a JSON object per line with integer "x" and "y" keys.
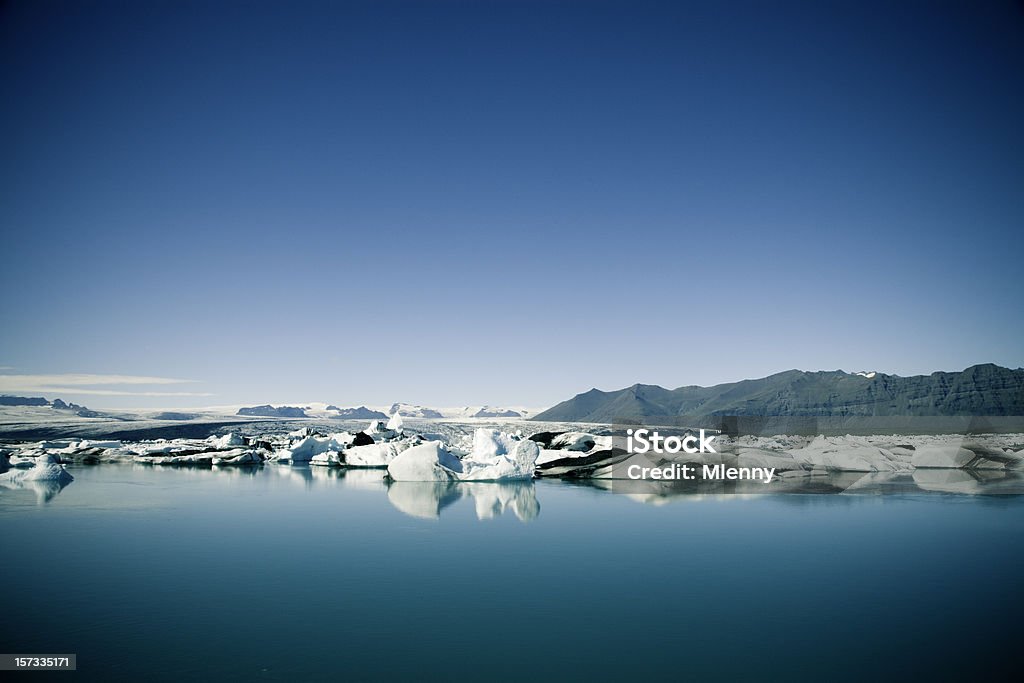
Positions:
{"x": 507, "y": 203}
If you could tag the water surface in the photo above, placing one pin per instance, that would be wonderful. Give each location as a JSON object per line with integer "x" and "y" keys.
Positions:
{"x": 281, "y": 573}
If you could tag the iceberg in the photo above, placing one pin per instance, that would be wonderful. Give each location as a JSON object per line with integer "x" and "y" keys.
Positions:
{"x": 427, "y": 462}
{"x": 376, "y": 454}
{"x": 46, "y": 468}
{"x": 942, "y": 456}
{"x": 969, "y": 481}
{"x": 223, "y": 443}
{"x": 848, "y": 454}
{"x": 326, "y": 459}
{"x": 495, "y": 456}
{"x": 498, "y": 456}
{"x": 967, "y": 456}
{"x": 238, "y": 457}
{"x": 759, "y": 457}
{"x": 574, "y": 441}
{"x": 395, "y": 423}
{"x": 190, "y": 459}
{"x": 575, "y": 454}
{"x": 379, "y": 430}
{"x": 305, "y": 449}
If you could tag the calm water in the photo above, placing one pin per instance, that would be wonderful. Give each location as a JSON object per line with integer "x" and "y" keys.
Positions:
{"x": 296, "y": 574}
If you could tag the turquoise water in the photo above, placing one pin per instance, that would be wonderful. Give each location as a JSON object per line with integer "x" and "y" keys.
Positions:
{"x": 285, "y": 574}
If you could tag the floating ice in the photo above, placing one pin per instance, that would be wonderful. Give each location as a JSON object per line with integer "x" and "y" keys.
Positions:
{"x": 968, "y": 456}
{"x": 942, "y": 456}
{"x": 495, "y": 456}
{"x": 238, "y": 457}
{"x": 759, "y": 457}
{"x": 574, "y": 441}
{"x": 377, "y": 454}
{"x": 308, "y": 447}
{"x": 576, "y": 454}
{"x": 304, "y": 450}
{"x": 230, "y": 440}
{"x": 851, "y": 454}
{"x": 326, "y": 459}
{"x": 47, "y": 468}
{"x": 426, "y": 462}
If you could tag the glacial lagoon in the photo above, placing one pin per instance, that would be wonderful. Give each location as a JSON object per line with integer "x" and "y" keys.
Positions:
{"x": 285, "y": 573}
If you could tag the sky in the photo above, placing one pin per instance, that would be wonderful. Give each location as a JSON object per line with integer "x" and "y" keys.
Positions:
{"x": 457, "y": 203}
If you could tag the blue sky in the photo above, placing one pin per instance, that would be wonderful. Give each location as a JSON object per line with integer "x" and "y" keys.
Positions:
{"x": 508, "y": 203}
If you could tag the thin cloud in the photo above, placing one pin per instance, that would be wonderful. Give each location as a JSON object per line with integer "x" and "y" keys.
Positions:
{"x": 111, "y": 392}
{"x": 85, "y": 384}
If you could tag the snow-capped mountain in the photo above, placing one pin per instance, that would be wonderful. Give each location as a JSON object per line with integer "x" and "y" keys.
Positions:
{"x": 411, "y": 410}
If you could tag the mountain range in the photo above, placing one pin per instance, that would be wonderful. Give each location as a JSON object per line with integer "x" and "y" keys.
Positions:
{"x": 980, "y": 390}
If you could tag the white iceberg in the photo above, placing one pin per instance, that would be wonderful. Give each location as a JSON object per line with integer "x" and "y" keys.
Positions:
{"x": 379, "y": 431}
{"x": 429, "y": 461}
{"x": 85, "y": 443}
{"x": 395, "y": 423}
{"x": 223, "y": 443}
{"x": 961, "y": 480}
{"x": 849, "y": 453}
{"x": 760, "y": 457}
{"x": 970, "y": 456}
{"x": 191, "y": 459}
{"x": 303, "y": 450}
{"x": 376, "y": 454}
{"x": 326, "y": 459}
{"x": 309, "y": 447}
{"x": 942, "y": 456}
{"x": 495, "y": 456}
{"x": 238, "y": 456}
{"x": 46, "y": 468}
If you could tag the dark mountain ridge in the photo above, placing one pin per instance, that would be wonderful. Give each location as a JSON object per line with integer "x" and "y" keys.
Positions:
{"x": 980, "y": 390}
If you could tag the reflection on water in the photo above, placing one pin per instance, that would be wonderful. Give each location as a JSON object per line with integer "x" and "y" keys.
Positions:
{"x": 971, "y": 482}
{"x": 318, "y": 557}
{"x": 45, "y": 491}
{"x": 427, "y": 499}
{"x": 424, "y": 500}
{"x": 974, "y": 482}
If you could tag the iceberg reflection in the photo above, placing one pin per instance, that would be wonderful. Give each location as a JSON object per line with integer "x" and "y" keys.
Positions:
{"x": 45, "y": 490}
{"x": 960, "y": 481}
{"x": 427, "y": 499}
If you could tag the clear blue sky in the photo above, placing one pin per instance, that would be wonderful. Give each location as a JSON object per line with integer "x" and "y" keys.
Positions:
{"x": 508, "y": 203}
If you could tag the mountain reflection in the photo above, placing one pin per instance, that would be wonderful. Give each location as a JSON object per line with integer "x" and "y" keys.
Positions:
{"x": 426, "y": 500}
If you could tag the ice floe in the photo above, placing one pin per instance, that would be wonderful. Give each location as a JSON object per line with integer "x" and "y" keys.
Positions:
{"x": 46, "y": 467}
{"x": 494, "y": 456}
{"x": 846, "y": 454}
{"x": 429, "y": 461}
